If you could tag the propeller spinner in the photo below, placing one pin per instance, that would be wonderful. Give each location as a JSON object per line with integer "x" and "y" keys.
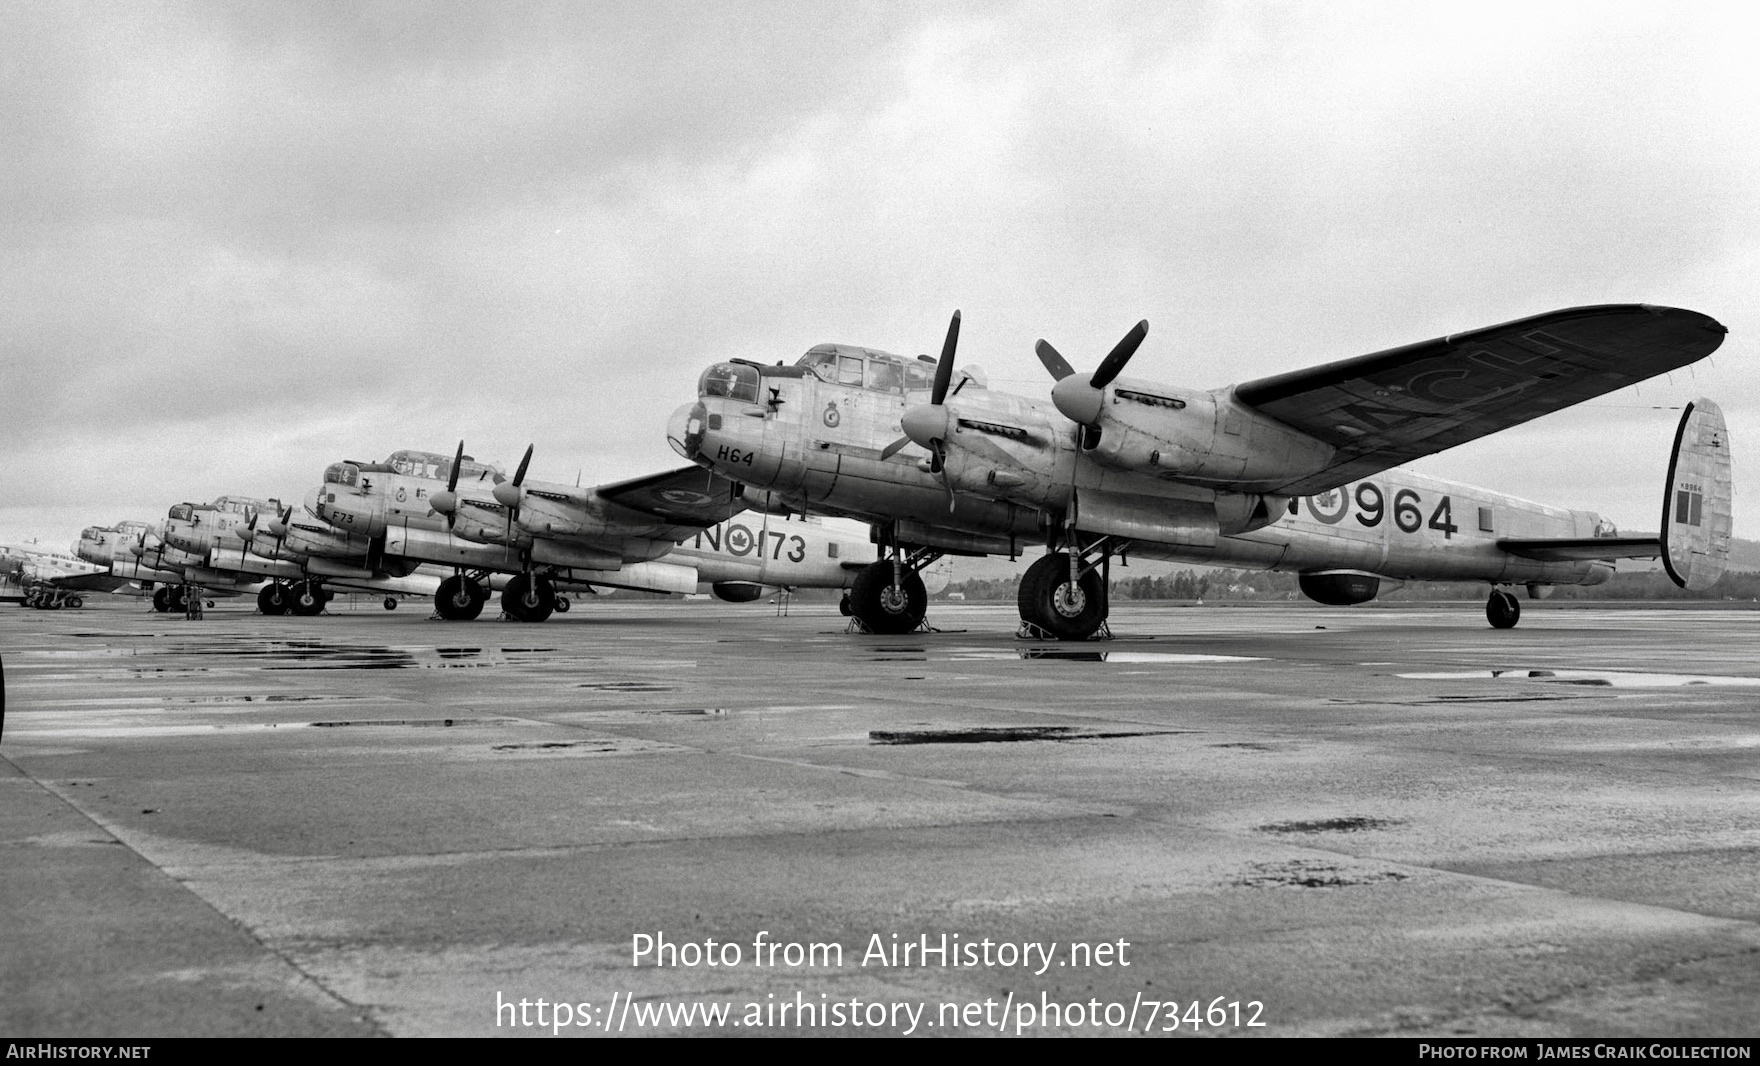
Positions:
{"x": 446, "y": 502}
{"x": 927, "y": 424}
{"x": 1081, "y": 401}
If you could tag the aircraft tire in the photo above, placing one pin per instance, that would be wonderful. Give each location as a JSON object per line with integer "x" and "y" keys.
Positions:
{"x": 1043, "y": 601}
{"x": 1503, "y": 610}
{"x": 273, "y": 598}
{"x": 873, "y": 601}
{"x": 390, "y": 603}
{"x": 529, "y": 598}
{"x": 162, "y": 599}
{"x": 75, "y": 601}
{"x": 457, "y": 600}
{"x": 843, "y": 606}
{"x": 562, "y": 604}
{"x": 308, "y": 599}
{"x": 177, "y": 600}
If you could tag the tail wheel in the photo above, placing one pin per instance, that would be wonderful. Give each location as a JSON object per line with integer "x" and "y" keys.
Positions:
{"x": 1050, "y": 601}
{"x": 562, "y": 604}
{"x": 884, "y": 608}
{"x": 1503, "y": 610}
{"x": 529, "y": 597}
{"x": 390, "y": 603}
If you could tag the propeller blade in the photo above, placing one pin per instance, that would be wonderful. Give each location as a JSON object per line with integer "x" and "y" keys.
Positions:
{"x": 520, "y": 474}
{"x": 508, "y": 494}
{"x": 457, "y": 461}
{"x": 944, "y": 369}
{"x": 1053, "y": 360}
{"x": 892, "y": 449}
{"x": 1120, "y": 355}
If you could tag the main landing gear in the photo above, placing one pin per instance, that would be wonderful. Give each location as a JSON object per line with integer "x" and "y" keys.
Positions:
{"x": 888, "y": 596}
{"x": 1064, "y": 594}
{"x": 48, "y": 598}
{"x": 1503, "y": 610}
{"x": 529, "y": 597}
{"x": 275, "y": 598}
{"x": 460, "y": 598}
{"x": 168, "y": 598}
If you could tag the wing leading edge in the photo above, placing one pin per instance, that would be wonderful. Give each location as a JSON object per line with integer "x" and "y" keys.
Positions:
{"x": 1388, "y": 408}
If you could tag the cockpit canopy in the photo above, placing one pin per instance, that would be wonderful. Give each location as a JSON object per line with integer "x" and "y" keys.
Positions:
{"x": 875, "y": 371}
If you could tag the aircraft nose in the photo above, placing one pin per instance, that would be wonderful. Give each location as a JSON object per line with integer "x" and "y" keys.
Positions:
{"x": 684, "y": 430}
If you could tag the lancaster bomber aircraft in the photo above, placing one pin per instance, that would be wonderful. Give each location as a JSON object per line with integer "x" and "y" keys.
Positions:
{"x": 1297, "y": 472}
{"x": 554, "y": 537}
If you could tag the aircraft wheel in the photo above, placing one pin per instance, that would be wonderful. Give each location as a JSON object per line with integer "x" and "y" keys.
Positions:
{"x": 162, "y": 599}
{"x": 177, "y": 600}
{"x": 884, "y": 609}
{"x": 308, "y": 599}
{"x": 1049, "y": 601}
{"x": 843, "y": 606}
{"x": 529, "y": 597}
{"x": 390, "y": 603}
{"x": 457, "y": 599}
{"x": 1503, "y": 610}
{"x": 562, "y": 604}
{"x": 273, "y": 599}
{"x": 75, "y": 601}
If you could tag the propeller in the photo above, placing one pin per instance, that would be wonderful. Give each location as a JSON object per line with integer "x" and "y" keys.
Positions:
{"x": 446, "y": 502}
{"x": 278, "y": 527}
{"x": 928, "y": 424}
{"x": 508, "y": 493}
{"x": 1081, "y": 401}
{"x": 249, "y": 529}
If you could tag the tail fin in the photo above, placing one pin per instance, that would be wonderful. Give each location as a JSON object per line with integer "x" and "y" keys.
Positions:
{"x": 1697, "y": 499}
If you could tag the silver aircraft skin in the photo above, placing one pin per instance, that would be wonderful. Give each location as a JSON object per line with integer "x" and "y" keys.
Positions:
{"x": 554, "y": 538}
{"x": 1297, "y": 472}
{"x": 34, "y": 576}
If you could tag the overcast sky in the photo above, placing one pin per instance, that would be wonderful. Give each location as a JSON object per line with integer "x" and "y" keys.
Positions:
{"x": 239, "y": 241}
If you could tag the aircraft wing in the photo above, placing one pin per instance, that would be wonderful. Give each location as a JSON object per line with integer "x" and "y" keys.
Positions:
{"x": 103, "y": 581}
{"x": 1584, "y": 549}
{"x": 1388, "y": 408}
{"x": 690, "y": 498}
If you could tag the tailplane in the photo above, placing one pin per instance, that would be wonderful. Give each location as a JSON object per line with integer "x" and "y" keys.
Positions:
{"x": 1696, "y": 502}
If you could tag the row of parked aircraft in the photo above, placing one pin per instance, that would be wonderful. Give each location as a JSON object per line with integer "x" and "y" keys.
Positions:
{"x": 1297, "y": 472}
{"x": 458, "y": 530}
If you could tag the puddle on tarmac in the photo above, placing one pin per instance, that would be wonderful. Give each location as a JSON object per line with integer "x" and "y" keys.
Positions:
{"x": 1008, "y": 734}
{"x": 1354, "y": 824}
{"x": 1312, "y": 873}
{"x": 1592, "y": 678}
{"x": 625, "y": 686}
{"x": 1095, "y": 655}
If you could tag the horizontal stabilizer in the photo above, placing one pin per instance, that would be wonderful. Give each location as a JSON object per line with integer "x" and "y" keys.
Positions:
{"x": 1697, "y": 501}
{"x": 1583, "y": 549}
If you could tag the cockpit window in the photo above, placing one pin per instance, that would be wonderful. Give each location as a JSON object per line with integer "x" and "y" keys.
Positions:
{"x": 733, "y": 380}
{"x": 849, "y": 370}
{"x": 342, "y": 474}
{"x": 919, "y": 375}
{"x": 182, "y": 512}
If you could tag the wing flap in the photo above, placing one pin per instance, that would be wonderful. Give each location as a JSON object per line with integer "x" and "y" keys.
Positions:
{"x": 1391, "y": 407}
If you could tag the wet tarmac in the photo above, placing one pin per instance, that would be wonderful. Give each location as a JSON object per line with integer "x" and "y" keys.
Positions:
{"x": 1327, "y": 821}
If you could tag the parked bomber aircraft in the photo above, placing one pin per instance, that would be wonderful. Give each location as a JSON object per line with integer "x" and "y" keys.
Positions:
{"x": 1296, "y": 472}
{"x": 174, "y": 555}
{"x": 554, "y": 538}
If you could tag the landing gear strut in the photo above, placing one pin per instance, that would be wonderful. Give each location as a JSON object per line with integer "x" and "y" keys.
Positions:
{"x": 1064, "y": 594}
{"x": 1503, "y": 610}
{"x": 459, "y": 598}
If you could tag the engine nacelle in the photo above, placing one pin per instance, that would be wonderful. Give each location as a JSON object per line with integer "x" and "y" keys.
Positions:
{"x": 1339, "y": 588}
{"x": 737, "y": 591}
{"x": 1197, "y": 436}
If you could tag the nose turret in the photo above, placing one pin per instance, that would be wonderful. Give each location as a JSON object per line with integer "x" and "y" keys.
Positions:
{"x": 684, "y": 430}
